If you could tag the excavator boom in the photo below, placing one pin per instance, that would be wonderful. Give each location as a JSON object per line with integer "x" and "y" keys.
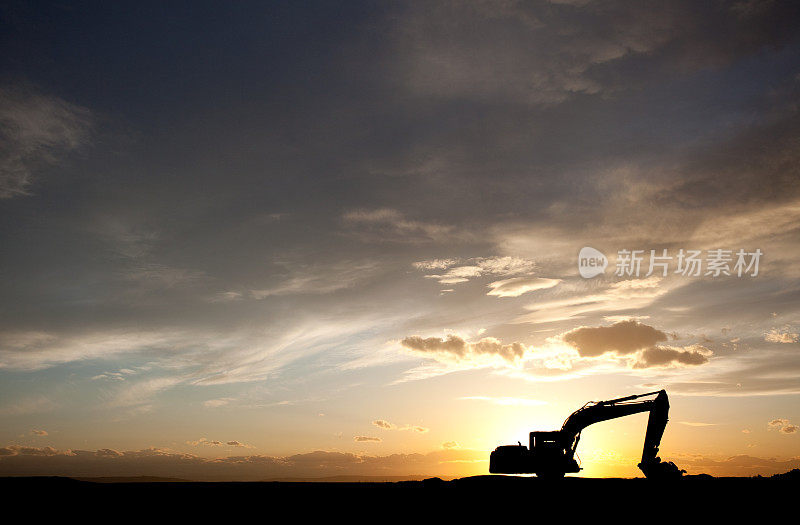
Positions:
{"x": 551, "y": 454}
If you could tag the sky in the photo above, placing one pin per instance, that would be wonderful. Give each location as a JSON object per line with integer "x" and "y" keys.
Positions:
{"x": 310, "y": 239}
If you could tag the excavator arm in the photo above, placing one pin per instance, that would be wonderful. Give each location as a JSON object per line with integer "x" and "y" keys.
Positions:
{"x": 651, "y": 465}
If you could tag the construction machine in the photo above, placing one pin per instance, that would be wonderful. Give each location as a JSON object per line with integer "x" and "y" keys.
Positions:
{"x": 552, "y": 453}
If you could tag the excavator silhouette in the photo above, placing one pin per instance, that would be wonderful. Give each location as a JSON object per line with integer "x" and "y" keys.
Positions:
{"x": 552, "y": 454}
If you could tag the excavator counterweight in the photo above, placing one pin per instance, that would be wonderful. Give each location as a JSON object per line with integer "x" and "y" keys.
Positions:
{"x": 551, "y": 454}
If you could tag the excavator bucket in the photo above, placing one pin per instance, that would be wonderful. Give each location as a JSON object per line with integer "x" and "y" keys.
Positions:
{"x": 661, "y": 470}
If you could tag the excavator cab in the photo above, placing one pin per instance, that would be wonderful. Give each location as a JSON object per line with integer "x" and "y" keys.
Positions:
{"x": 551, "y": 456}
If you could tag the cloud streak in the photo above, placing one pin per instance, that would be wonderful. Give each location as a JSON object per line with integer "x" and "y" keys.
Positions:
{"x": 457, "y": 348}
{"x": 37, "y": 131}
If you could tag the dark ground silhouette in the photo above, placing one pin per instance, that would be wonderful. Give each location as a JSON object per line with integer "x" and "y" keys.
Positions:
{"x": 528, "y": 498}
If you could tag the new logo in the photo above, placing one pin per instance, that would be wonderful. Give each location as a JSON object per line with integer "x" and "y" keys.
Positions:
{"x": 591, "y": 262}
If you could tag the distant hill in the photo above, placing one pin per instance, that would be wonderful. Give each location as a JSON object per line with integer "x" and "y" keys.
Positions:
{"x": 348, "y": 479}
{"x": 133, "y": 479}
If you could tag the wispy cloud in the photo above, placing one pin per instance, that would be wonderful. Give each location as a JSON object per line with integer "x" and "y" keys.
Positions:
{"x": 28, "y": 405}
{"x": 389, "y": 225}
{"x": 520, "y": 285}
{"x": 36, "y": 131}
{"x": 367, "y": 439}
{"x": 460, "y": 271}
{"x": 385, "y": 425}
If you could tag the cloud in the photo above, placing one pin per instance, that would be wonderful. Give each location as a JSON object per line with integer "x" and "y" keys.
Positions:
{"x": 367, "y": 439}
{"x": 119, "y": 375}
{"x": 637, "y": 340}
{"x": 216, "y": 403}
{"x": 20, "y": 450}
{"x": 583, "y": 300}
{"x": 435, "y": 264}
{"x": 777, "y": 336}
{"x": 462, "y": 270}
{"x": 543, "y": 54}
{"x": 739, "y": 465}
{"x": 388, "y": 225}
{"x": 203, "y": 442}
{"x": 159, "y": 276}
{"x": 663, "y": 356}
{"x": 456, "y": 347}
{"x": 35, "y": 350}
{"x": 36, "y": 130}
{"x": 140, "y": 394}
{"x": 448, "y": 445}
{"x": 382, "y": 423}
{"x": 195, "y": 357}
{"x": 39, "y": 432}
{"x": 624, "y": 337}
{"x": 29, "y": 405}
{"x": 317, "y": 279}
{"x": 459, "y": 274}
{"x": 520, "y": 285}
{"x": 783, "y": 426}
{"x": 226, "y": 297}
{"x": 16, "y": 460}
{"x": 753, "y": 372}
